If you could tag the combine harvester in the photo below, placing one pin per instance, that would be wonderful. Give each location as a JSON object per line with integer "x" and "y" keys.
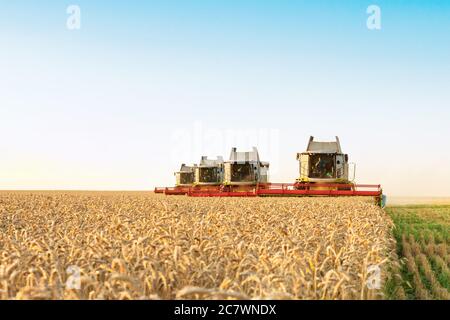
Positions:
{"x": 323, "y": 167}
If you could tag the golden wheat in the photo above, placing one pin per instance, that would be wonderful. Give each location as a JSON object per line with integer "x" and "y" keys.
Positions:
{"x": 146, "y": 246}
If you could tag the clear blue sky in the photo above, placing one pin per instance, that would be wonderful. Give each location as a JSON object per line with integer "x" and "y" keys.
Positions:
{"x": 146, "y": 85}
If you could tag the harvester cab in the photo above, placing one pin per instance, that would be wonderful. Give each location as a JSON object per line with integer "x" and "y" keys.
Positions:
{"x": 323, "y": 162}
{"x": 245, "y": 168}
{"x": 186, "y": 176}
{"x": 209, "y": 171}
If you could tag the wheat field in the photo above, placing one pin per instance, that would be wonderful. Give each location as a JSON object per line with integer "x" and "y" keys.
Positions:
{"x": 147, "y": 246}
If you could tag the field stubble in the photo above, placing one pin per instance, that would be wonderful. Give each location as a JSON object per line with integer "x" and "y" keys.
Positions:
{"x": 146, "y": 246}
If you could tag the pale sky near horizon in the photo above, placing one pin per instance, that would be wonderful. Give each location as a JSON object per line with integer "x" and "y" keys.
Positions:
{"x": 143, "y": 87}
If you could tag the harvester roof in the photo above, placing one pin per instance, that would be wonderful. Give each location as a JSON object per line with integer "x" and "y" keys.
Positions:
{"x": 185, "y": 168}
{"x": 205, "y": 162}
{"x": 323, "y": 147}
{"x": 248, "y": 156}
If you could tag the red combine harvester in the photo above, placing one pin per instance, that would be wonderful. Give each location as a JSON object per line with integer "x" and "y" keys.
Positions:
{"x": 324, "y": 171}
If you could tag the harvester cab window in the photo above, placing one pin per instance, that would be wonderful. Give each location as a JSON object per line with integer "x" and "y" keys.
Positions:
{"x": 208, "y": 175}
{"x": 186, "y": 177}
{"x": 322, "y": 166}
{"x": 241, "y": 172}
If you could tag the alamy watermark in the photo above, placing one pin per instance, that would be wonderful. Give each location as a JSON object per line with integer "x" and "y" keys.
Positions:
{"x": 74, "y": 19}
{"x": 373, "y": 281}
{"x": 374, "y": 19}
{"x": 74, "y": 279}
{"x": 188, "y": 144}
